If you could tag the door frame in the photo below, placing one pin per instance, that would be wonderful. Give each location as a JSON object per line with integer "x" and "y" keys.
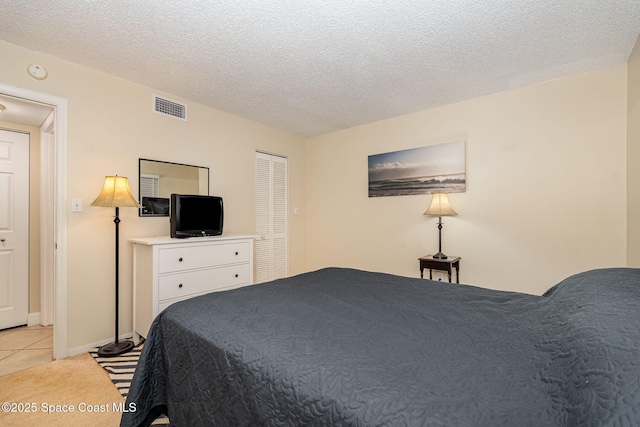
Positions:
{"x": 47, "y": 237}
{"x": 59, "y": 247}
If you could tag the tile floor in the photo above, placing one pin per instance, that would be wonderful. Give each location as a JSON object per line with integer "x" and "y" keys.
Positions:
{"x": 25, "y": 347}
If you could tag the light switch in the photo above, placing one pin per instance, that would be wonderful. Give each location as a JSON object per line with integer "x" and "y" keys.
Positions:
{"x": 76, "y": 205}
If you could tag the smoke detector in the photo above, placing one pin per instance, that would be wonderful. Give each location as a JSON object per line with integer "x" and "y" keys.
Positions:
{"x": 37, "y": 72}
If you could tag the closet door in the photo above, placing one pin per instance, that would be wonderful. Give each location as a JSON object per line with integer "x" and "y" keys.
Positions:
{"x": 271, "y": 258}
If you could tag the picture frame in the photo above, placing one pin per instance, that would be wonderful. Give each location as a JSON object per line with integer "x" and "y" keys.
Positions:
{"x": 439, "y": 168}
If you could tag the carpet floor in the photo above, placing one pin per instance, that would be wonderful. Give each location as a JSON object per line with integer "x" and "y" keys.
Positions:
{"x": 40, "y": 396}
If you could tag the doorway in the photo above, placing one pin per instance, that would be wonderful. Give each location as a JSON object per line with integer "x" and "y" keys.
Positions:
{"x": 52, "y": 207}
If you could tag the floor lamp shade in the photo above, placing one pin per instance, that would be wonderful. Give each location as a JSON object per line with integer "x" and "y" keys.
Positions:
{"x": 116, "y": 194}
{"x": 440, "y": 207}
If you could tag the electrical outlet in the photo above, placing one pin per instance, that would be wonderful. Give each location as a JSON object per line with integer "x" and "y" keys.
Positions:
{"x": 440, "y": 277}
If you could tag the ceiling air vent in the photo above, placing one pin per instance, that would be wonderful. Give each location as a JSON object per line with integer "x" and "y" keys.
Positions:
{"x": 169, "y": 108}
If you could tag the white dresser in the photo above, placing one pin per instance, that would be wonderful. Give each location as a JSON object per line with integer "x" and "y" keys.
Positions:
{"x": 167, "y": 270}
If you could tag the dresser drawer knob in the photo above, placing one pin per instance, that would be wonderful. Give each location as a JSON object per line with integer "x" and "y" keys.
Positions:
{"x": 180, "y": 285}
{"x": 236, "y": 253}
{"x": 236, "y": 274}
{"x": 180, "y": 259}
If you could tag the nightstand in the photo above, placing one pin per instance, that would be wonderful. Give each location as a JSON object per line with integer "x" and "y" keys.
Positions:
{"x": 447, "y": 265}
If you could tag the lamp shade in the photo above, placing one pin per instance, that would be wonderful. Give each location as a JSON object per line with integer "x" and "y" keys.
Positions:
{"x": 440, "y": 206}
{"x": 116, "y": 193}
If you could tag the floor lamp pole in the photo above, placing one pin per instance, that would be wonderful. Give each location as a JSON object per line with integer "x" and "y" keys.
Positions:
{"x": 116, "y": 221}
{"x": 117, "y": 347}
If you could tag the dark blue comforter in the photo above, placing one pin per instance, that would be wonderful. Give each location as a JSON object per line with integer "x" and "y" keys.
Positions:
{"x": 352, "y": 348}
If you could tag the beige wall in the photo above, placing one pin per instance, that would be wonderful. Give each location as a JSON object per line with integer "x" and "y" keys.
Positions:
{"x": 546, "y": 192}
{"x": 34, "y": 212}
{"x": 110, "y": 126}
{"x": 633, "y": 158}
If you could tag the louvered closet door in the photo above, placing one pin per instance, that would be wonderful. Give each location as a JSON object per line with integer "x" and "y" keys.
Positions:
{"x": 271, "y": 258}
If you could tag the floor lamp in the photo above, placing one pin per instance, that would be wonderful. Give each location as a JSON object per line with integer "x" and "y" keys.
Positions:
{"x": 440, "y": 207}
{"x": 116, "y": 193}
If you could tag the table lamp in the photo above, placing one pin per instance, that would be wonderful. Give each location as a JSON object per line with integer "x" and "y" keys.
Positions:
{"x": 440, "y": 207}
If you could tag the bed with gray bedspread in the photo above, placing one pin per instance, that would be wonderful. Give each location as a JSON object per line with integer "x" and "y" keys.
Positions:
{"x": 352, "y": 348}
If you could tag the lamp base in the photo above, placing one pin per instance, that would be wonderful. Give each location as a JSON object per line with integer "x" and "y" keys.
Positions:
{"x": 115, "y": 348}
{"x": 440, "y": 255}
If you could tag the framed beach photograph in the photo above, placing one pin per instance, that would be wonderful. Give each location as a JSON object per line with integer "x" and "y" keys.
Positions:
{"x": 432, "y": 169}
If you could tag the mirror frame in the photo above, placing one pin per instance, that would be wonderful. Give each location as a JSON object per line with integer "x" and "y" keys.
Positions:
{"x": 140, "y": 160}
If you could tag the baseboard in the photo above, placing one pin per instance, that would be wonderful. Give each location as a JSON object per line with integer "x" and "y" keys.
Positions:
{"x": 33, "y": 319}
{"x": 86, "y": 348}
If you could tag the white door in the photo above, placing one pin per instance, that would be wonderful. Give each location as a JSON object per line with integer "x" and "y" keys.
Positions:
{"x": 271, "y": 251}
{"x": 14, "y": 228}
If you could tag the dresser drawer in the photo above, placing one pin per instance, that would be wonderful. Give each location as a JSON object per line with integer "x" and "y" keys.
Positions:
{"x": 207, "y": 280}
{"x": 202, "y": 256}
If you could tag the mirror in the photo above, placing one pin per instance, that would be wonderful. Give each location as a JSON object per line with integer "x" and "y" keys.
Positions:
{"x": 157, "y": 180}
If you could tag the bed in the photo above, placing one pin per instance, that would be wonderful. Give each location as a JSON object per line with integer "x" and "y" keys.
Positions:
{"x": 347, "y": 347}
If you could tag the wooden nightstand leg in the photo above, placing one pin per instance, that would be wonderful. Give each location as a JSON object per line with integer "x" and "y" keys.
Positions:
{"x": 430, "y": 276}
{"x": 449, "y": 271}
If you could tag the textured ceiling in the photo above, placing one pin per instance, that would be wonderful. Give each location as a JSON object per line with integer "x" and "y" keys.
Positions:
{"x": 313, "y": 67}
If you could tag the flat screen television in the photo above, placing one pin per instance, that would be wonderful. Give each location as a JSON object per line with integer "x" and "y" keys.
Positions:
{"x": 196, "y": 216}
